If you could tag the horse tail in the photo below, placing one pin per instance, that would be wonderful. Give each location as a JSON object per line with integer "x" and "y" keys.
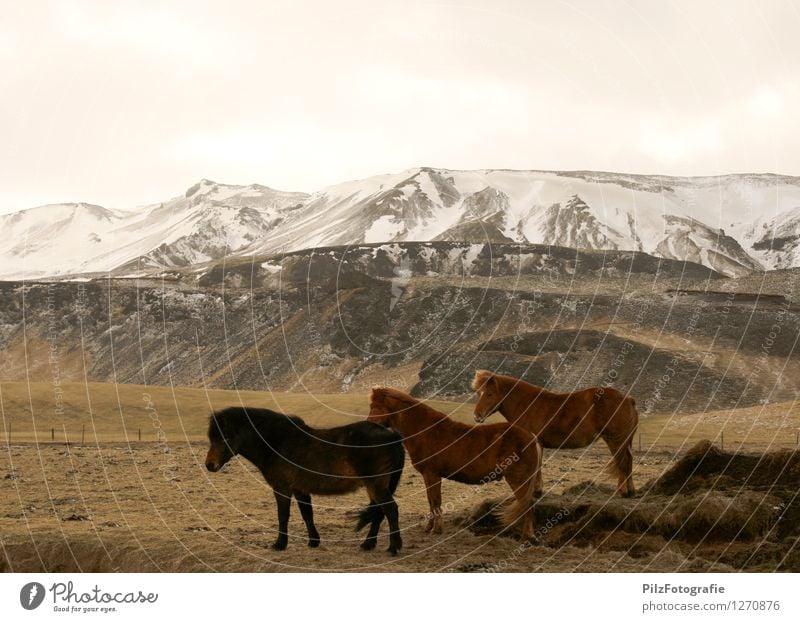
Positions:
{"x": 611, "y": 467}
{"x": 512, "y": 512}
{"x": 397, "y": 459}
{"x": 516, "y": 510}
{"x": 396, "y": 463}
{"x": 622, "y": 458}
{"x": 368, "y": 515}
{"x": 635, "y": 413}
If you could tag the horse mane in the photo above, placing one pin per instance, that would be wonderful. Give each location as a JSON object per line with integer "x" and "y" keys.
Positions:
{"x": 252, "y": 418}
{"x": 482, "y": 376}
{"x": 379, "y": 395}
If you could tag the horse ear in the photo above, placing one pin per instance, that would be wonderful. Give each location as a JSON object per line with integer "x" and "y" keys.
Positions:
{"x": 377, "y": 395}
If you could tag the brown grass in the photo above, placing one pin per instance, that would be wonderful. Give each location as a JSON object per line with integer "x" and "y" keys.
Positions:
{"x": 124, "y": 505}
{"x": 116, "y": 413}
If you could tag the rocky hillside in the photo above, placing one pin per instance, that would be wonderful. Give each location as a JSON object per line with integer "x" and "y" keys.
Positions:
{"x": 421, "y": 316}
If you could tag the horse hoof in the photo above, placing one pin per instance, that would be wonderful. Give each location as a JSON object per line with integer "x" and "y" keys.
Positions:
{"x": 537, "y": 494}
{"x": 395, "y": 545}
{"x": 437, "y": 529}
{"x": 313, "y": 543}
{"x": 279, "y": 546}
{"x": 368, "y": 545}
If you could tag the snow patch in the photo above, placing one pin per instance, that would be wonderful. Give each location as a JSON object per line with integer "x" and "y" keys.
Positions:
{"x": 271, "y": 268}
{"x": 382, "y": 229}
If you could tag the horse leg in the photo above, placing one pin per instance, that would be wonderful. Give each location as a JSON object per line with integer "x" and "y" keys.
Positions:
{"x": 523, "y": 486}
{"x": 307, "y": 512}
{"x": 374, "y": 527}
{"x": 389, "y": 507}
{"x": 433, "y": 487}
{"x": 284, "y": 501}
{"x": 538, "y": 487}
{"x": 374, "y": 511}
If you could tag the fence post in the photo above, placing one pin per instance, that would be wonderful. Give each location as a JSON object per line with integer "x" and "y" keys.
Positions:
{"x": 52, "y": 434}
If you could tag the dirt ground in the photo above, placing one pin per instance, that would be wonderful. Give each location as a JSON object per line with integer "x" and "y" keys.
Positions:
{"x": 148, "y": 506}
{"x": 154, "y": 507}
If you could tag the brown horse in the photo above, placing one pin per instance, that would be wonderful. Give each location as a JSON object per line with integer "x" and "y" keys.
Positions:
{"x": 564, "y": 420}
{"x": 298, "y": 461}
{"x": 440, "y": 447}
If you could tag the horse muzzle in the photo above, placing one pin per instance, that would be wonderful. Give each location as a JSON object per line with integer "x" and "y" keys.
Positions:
{"x": 213, "y": 466}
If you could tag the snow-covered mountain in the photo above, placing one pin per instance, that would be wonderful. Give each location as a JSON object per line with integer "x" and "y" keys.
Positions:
{"x": 733, "y": 223}
{"x": 208, "y": 222}
{"x": 708, "y": 220}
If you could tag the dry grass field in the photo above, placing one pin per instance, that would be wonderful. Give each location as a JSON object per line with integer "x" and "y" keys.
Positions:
{"x": 113, "y": 503}
{"x": 103, "y": 412}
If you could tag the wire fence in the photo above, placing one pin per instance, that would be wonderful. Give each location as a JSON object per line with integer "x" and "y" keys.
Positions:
{"x": 86, "y": 435}
{"x": 643, "y": 442}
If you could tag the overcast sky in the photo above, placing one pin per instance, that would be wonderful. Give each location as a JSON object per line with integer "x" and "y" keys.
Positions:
{"x": 128, "y": 103}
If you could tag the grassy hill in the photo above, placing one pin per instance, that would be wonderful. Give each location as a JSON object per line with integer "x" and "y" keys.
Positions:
{"x": 116, "y": 413}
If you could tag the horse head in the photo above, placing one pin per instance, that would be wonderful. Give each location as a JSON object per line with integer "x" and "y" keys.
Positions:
{"x": 379, "y": 409}
{"x": 489, "y": 396}
{"x": 224, "y": 444}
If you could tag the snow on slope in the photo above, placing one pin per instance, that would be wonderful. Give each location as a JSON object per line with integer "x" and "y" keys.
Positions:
{"x": 209, "y": 221}
{"x": 732, "y": 223}
{"x": 702, "y": 219}
{"x": 35, "y": 242}
{"x": 776, "y": 239}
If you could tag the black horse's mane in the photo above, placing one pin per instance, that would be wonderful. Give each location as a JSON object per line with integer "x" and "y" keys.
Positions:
{"x": 238, "y": 417}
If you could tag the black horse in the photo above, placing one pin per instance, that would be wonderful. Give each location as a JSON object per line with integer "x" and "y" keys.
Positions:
{"x": 299, "y": 460}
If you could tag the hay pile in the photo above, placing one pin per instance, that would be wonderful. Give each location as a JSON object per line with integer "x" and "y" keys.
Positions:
{"x": 713, "y": 503}
{"x": 705, "y": 467}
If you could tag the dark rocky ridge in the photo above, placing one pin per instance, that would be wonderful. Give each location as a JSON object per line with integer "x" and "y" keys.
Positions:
{"x": 420, "y": 315}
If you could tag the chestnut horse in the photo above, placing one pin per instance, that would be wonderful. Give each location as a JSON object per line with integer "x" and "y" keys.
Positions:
{"x": 564, "y": 420}
{"x": 298, "y": 460}
{"x": 440, "y": 447}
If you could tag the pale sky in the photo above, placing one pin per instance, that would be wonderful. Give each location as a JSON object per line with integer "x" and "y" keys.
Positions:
{"x": 128, "y": 103}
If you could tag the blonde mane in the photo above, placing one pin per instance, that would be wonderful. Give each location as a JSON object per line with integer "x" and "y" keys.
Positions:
{"x": 482, "y": 376}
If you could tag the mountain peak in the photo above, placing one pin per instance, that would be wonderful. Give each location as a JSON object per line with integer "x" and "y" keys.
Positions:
{"x": 576, "y": 201}
{"x": 203, "y": 186}
{"x": 671, "y": 217}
